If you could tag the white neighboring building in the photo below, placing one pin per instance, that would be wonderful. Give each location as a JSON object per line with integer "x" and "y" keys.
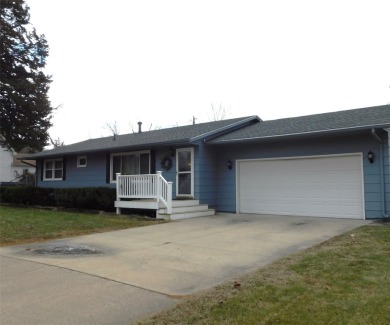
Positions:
{"x": 11, "y": 169}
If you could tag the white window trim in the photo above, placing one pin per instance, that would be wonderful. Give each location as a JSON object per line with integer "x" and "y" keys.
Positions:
{"x": 53, "y": 170}
{"x": 80, "y": 158}
{"x": 124, "y": 154}
{"x": 191, "y": 149}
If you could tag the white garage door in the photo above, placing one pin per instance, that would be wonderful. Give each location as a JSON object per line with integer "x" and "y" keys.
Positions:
{"x": 321, "y": 186}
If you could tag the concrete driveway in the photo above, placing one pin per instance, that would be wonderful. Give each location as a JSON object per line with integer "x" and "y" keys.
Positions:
{"x": 120, "y": 276}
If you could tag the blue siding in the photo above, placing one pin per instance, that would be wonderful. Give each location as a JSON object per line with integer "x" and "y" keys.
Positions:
{"x": 215, "y": 184}
{"x": 169, "y": 175}
{"x": 94, "y": 175}
{"x": 325, "y": 145}
{"x": 205, "y": 175}
{"x": 386, "y": 154}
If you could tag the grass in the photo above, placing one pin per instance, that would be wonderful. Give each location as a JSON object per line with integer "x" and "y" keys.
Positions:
{"x": 345, "y": 280}
{"x": 19, "y": 225}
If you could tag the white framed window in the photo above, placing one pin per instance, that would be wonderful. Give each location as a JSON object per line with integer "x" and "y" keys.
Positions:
{"x": 53, "y": 169}
{"x": 82, "y": 161}
{"x": 129, "y": 163}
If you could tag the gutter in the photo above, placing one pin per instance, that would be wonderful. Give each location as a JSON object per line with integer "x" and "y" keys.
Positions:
{"x": 382, "y": 162}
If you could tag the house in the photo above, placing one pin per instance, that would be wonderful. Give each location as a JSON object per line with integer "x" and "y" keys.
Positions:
{"x": 13, "y": 168}
{"x": 325, "y": 165}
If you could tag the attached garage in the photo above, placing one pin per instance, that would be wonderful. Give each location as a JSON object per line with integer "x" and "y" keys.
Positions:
{"x": 318, "y": 186}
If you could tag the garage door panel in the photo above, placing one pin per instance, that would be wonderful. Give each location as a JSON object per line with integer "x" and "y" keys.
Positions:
{"x": 319, "y": 186}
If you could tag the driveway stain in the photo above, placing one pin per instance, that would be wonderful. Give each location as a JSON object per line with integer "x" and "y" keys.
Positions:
{"x": 299, "y": 223}
{"x": 237, "y": 221}
{"x": 63, "y": 250}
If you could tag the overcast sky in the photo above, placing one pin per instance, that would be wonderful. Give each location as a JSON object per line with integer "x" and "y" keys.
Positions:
{"x": 163, "y": 62}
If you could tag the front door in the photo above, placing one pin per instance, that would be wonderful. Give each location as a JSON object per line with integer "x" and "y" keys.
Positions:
{"x": 185, "y": 172}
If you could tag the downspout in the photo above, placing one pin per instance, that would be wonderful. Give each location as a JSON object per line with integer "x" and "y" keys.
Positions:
{"x": 381, "y": 162}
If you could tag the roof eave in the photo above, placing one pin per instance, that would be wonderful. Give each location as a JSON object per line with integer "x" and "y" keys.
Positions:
{"x": 225, "y": 128}
{"x": 279, "y": 136}
{"x": 106, "y": 149}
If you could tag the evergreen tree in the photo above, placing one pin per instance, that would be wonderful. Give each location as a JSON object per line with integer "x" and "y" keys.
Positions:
{"x": 25, "y": 111}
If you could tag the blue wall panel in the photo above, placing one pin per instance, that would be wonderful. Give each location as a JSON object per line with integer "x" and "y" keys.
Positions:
{"x": 386, "y": 151}
{"x": 205, "y": 176}
{"x": 169, "y": 175}
{"x": 94, "y": 175}
{"x": 95, "y": 172}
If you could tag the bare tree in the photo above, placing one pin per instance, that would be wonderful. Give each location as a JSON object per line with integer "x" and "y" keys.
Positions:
{"x": 113, "y": 128}
{"x": 56, "y": 142}
{"x": 139, "y": 127}
{"x": 154, "y": 128}
{"x": 218, "y": 113}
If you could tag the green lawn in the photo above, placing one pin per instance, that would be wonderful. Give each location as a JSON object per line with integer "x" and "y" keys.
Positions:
{"x": 345, "y": 280}
{"x": 19, "y": 225}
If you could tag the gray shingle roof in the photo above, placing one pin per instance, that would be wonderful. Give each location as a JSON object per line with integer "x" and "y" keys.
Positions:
{"x": 362, "y": 118}
{"x": 180, "y": 134}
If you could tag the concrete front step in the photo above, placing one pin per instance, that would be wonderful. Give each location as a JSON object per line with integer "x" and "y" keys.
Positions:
{"x": 184, "y": 203}
{"x": 186, "y": 215}
{"x": 181, "y": 209}
{"x": 185, "y": 209}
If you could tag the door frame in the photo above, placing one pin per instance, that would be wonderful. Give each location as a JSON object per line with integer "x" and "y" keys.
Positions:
{"x": 191, "y": 150}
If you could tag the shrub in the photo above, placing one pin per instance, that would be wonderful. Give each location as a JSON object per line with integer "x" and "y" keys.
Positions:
{"x": 93, "y": 198}
{"x": 27, "y": 195}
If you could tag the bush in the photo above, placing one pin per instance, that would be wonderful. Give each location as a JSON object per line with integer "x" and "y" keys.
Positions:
{"x": 27, "y": 195}
{"x": 93, "y": 198}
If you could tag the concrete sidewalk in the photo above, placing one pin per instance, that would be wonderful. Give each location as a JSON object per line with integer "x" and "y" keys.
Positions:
{"x": 141, "y": 271}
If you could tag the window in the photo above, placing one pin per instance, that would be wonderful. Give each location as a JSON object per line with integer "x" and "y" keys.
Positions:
{"x": 131, "y": 163}
{"x": 82, "y": 161}
{"x": 53, "y": 169}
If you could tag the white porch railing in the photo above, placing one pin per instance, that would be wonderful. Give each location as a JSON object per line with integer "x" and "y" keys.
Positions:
{"x": 149, "y": 186}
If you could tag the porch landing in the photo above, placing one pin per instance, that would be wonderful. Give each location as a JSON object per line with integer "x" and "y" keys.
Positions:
{"x": 181, "y": 209}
